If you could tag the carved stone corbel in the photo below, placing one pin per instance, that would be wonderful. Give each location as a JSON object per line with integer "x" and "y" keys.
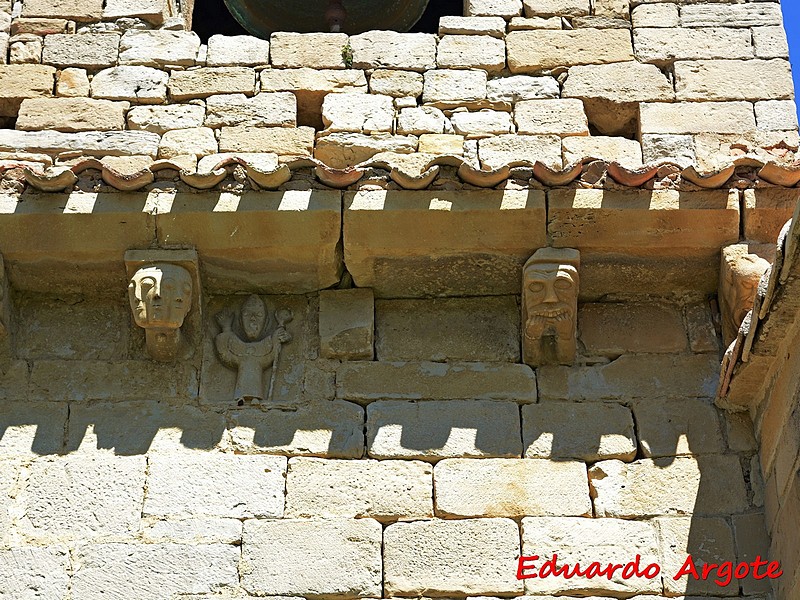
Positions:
{"x": 163, "y": 289}
{"x": 550, "y": 307}
{"x": 741, "y": 269}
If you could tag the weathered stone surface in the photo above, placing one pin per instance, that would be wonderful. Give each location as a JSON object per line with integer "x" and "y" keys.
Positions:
{"x": 383, "y": 490}
{"x": 262, "y": 110}
{"x": 433, "y": 430}
{"x": 716, "y": 151}
{"x": 18, "y": 82}
{"x": 662, "y": 46}
{"x": 316, "y": 50}
{"x": 35, "y": 572}
{"x": 399, "y": 84}
{"x": 776, "y": 115}
{"x": 684, "y": 485}
{"x": 725, "y": 15}
{"x": 522, "y": 87}
{"x": 192, "y": 530}
{"x": 336, "y": 557}
{"x": 482, "y": 123}
{"x": 471, "y": 52}
{"x": 143, "y": 85}
{"x": 571, "y": 538}
{"x": 544, "y": 117}
{"x": 208, "y": 81}
{"x": 700, "y": 327}
{"x": 347, "y": 324}
{"x": 160, "y": 119}
{"x": 392, "y": 50}
{"x": 28, "y": 429}
{"x": 622, "y": 150}
{"x": 770, "y": 42}
{"x": 232, "y": 486}
{"x": 494, "y": 26}
{"x": 432, "y": 143}
{"x": 751, "y": 541}
{"x": 697, "y": 117}
{"x": 359, "y": 113}
{"x": 71, "y": 114}
{"x": 726, "y": 80}
{"x": 78, "y": 10}
{"x": 679, "y": 427}
{"x": 72, "y": 82}
{"x": 87, "y": 50}
{"x": 421, "y": 120}
{"x": 448, "y": 329}
{"x": 237, "y": 51}
{"x": 662, "y": 14}
{"x": 766, "y": 211}
{"x": 501, "y": 8}
{"x": 611, "y": 329}
{"x": 633, "y": 376}
{"x": 153, "y": 11}
{"x": 81, "y": 497}
{"x": 342, "y": 150}
{"x": 283, "y": 141}
{"x": 618, "y": 82}
{"x": 367, "y": 381}
{"x": 502, "y": 150}
{"x": 454, "y": 86}
{"x": 462, "y": 557}
{"x": 508, "y": 487}
{"x": 555, "y": 8}
{"x": 679, "y": 148}
{"x": 532, "y": 51}
{"x": 160, "y": 48}
{"x": 572, "y": 430}
{"x": 153, "y": 571}
{"x": 199, "y": 141}
{"x": 25, "y": 49}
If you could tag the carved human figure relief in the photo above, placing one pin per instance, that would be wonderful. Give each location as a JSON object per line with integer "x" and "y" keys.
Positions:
{"x": 161, "y": 296}
{"x": 740, "y": 271}
{"x": 550, "y": 306}
{"x": 253, "y": 351}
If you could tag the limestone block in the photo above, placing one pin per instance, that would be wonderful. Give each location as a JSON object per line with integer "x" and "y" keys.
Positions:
{"x": 765, "y": 212}
{"x": 18, "y": 82}
{"x": 622, "y": 150}
{"x": 262, "y": 110}
{"x": 368, "y": 381}
{"x": 433, "y": 430}
{"x": 461, "y": 557}
{"x": 510, "y": 487}
{"x": 25, "y": 49}
{"x": 611, "y": 329}
{"x": 539, "y": 50}
{"x": 556, "y": 8}
{"x": 770, "y": 42}
{"x": 315, "y": 50}
{"x": 661, "y": 46}
{"x": 347, "y": 324}
{"x": 342, "y": 150}
{"x": 76, "y": 10}
{"x": 522, "y": 87}
{"x": 160, "y": 119}
{"x": 153, "y": 571}
{"x": 471, "y": 52}
{"x": 237, "y": 51}
{"x": 283, "y": 141}
{"x": 704, "y": 485}
{"x": 679, "y": 427}
{"x": 502, "y": 150}
{"x": 331, "y": 429}
{"x": 619, "y": 82}
{"x": 751, "y": 541}
{"x": 392, "y": 50}
{"x": 199, "y": 141}
{"x": 580, "y": 431}
{"x": 431, "y": 143}
{"x": 448, "y": 329}
{"x": 776, "y": 115}
{"x": 383, "y": 251}
{"x": 200, "y": 530}
{"x": 208, "y": 81}
{"x": 739, "y": 432}
{"x": 662, "y": 14}
{"x": 697, "y": 117}
{"x": 71, "y": 114}
{"x": 72, "y": 83}
{"x": 359, "y": 113}
{"x": 159, "y": 48}
{"x": 545, "y": 117}
{"x": 421, "y": 120}
{"x": 717, "y": 150}
{"x": 700, "y": 327}
{"x": 579, "y": 540}
{"x": 482, "y": 123}
{"x": 735, "y": 15}
{"x": 36, "y": 26}
{"x": 631, "y": 377}
{"x": 216, "y": 485}
{"x": 398, "y": 84}
{"x": 152, "y": 11}
{"x": 525, "y": 23}
{"x": 707, "y": 540}
{"x": 29, "y": 430}
{"x": 678, "y": 148}
{"x": 383, "y": 490}
{"x": 80, "y": 497}
{"x": 452, "y": 24}
{"x": 142, "y": 85}
{"x": 3, "y": 48}
{"x": 87, "y": 50}
{"x": 454, "y": 86}
{"x": 334, "y": 557}
{"x": 35, "y": 572}
{"x": 612, "y": 9}
{"x": 733, "y": 80}
{"x": 492, "y": 8}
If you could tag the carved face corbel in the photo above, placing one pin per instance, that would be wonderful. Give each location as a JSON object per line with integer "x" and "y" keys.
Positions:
{"x": 740, "y": 272}
{"x": 550, "y": 306}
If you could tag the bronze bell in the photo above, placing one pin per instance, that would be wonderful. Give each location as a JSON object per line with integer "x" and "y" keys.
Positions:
{"x": 263, "y": 17}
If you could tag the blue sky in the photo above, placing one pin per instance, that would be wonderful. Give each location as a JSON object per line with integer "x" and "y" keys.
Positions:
{"x": 791, "y": 18}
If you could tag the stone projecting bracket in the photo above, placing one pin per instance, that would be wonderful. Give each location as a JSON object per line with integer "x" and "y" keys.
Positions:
{"x": 165, "y": 297}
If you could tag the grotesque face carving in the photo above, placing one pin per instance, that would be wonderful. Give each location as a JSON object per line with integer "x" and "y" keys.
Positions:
{"x": 550, "y": 293}
{"x": 741, "y": 271}
{"x": 160, "y": 296}
{"x": 254, "y": 317}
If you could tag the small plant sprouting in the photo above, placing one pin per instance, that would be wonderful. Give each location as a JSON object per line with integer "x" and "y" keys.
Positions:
{"x": 347, "y": 55}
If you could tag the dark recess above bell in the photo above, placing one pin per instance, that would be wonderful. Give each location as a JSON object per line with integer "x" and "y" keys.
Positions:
{"x": 263, "y": 17}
